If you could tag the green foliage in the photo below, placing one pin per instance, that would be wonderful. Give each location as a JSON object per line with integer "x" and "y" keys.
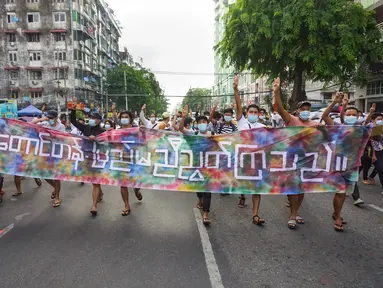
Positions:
{"x": 323, "y": 40}
{"x": 197, "y": 96}
{"x": 139, "y": 80}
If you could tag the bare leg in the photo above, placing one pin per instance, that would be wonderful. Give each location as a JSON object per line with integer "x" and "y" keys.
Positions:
{"x": 338, "y": 204}
{"x": 17, "y": 180}
{"x": 96, "y": 195}
{"x": 57, "y": 200}
{"x": 256, "y": 198}
{"x": 125, "y": 198}
{"x": 53, "y": 184}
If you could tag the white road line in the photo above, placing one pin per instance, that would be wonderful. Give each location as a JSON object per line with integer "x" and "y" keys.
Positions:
{"x": 6, "y": 230}
{"x": 212, "y": 267}
{"x": 376, "y": 207}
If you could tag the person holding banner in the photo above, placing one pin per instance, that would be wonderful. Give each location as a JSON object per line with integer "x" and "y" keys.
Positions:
{"x": 91, "y": 130}
{"x": 152, "y": 124}
{"x": 245, "y": 124}
{"x": 126, "y": 120}
{"x": 51, "y": 122}
{"x": 303, "y": 119}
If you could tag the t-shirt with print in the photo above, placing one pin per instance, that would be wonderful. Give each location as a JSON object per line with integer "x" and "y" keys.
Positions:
{"x": 58, "y": 127}
{"x": 244, "y": 124}
{"x": 296, "y": 121}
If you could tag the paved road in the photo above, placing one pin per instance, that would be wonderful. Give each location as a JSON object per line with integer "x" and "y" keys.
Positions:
{"x": 159, "y": 244}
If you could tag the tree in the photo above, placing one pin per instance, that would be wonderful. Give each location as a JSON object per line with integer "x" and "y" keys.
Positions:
{"x": 142, "y": 88}
{"x": 298, "y": 40}
{"x": 197, "y": 96}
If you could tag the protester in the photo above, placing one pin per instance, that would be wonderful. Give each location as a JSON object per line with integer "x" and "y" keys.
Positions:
{"x": 109, "y": 124}
{"x": 302, "y": 120}
{"x": 51, "y": 122}
{"x": 165, "y": 123}
{"x": 127, "y": 121}
{"x": 152, "y": 124}
{"x": 245, "y": 124}
{"x": 92, "y": 130}
{"x": 276, "y": 120}
{"x": 1, "y": 187}
{"x": 263, "y": 117}
{"x": 377, "y": 147}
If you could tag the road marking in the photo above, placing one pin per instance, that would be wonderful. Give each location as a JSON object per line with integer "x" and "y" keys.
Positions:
{"x": 21, "y": 216}
{"x": 212, "y": 267}
{"x": 6, "y": 230}
{"x": 375, "y": 207}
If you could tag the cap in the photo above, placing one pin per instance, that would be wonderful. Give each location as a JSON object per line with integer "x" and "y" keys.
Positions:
{"x": 165, "y": 115}
{"x": 96, "y": 115}
{"x": 303, "y": 103}
{"x": 52, "y": 114}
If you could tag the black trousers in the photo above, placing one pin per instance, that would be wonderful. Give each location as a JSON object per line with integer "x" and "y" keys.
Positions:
{"x": 206, "y": 198}
{"x": 1, "y": 181}
{"x": 366, "y": 164}
{"x": 379, "y": 165}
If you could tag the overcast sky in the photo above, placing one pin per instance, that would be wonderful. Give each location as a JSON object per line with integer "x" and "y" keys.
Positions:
{"x": 170, "y": 35}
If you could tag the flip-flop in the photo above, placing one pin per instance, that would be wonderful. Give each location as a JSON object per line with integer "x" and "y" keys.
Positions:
{"x": 93, "y": 212}
{"x": 56, "y": 204}
{"x": 125, "y": 212}
{"x": 300, "y": 220}
{"x": 38, "y": 182}
{"x": 138, "y": 194}
{"x": 206, "y": 221}
{"x": 338, "y": 228}
{"x": 258, "y": 220}
{"x": 16, "y": 194}
{"x": 343, "y": 222}
{"x": 242, "y": 201}
{"x": 292, "y": 224}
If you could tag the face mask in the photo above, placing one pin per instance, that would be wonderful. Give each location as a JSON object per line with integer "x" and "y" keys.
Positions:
{"x": 350, "y": 120}
{"x": 379, "y": 122}
{"x": 252, "y": 118}
{"x": 51, "y": 122}
{"x": 262, "y": 117}
{"x": 124, "y": 121}
{"x": 202, "y": 127}
{"x": 107, "y": 126}
{"x": 227, "y": 118}
{"x": 304, "y": 115}
{"x": 152, "y": 119}
{"x": 92, "y": 122}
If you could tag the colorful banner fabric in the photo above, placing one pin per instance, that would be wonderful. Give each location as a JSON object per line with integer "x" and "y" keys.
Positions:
{"x": 262, "y": 161}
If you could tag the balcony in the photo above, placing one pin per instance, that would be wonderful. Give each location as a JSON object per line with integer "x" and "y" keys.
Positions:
{"x": 35, "y": 84}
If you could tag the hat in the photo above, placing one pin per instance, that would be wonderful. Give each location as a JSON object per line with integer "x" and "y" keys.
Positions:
{"x": 303, "y": 103}
{"x": 165, "y": 115}
{"x": 52, "y": 114}
{"x": 96, "y": 115}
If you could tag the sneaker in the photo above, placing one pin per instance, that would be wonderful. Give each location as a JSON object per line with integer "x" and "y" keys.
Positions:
{"x": 358, "y": 201}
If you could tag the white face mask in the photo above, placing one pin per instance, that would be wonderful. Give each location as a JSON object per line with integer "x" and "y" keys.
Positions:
{"x": 107, "y": 126}
{"x": 152, "y": 119}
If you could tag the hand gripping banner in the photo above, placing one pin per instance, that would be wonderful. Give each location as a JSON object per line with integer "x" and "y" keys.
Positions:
{"x": 290, "y": 160}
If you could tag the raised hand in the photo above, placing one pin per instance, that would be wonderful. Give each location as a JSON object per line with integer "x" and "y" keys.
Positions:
{"x": 199, "y": 107}
{"x": 113, "y": 106}
{"x": 185, "y": 111}
{"x": 277, "y": 85}
{"x": 143, "y": 107}
{"x": 338, "y": 98}
{"x": 372, "y": 109}
{"x": 235, "y": 83}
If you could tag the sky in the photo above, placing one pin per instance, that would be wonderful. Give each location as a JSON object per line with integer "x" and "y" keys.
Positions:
{"x": 170, "y": 35}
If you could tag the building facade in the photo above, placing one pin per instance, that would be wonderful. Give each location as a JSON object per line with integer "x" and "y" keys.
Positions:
{"x": 53, "y": 50}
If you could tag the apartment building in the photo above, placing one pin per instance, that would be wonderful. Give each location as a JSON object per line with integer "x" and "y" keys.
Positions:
{"x": 52, "y": 50}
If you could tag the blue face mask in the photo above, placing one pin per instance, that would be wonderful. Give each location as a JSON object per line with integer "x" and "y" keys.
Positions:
{"x": 350, "y": 120}
{"x": 262, "y": 117}
{"x": 124, "y": 121}
{"x": 304, "y": 115}
{"x": 107, "y": 126}
{"x": 202, "y": 127}
{"x": 252, "y": 118}
{"x": 92, "y": 122}
{"x": 228, "y": 118}
{"x": 379, "y": 122}
{"x": 51, "y": 122}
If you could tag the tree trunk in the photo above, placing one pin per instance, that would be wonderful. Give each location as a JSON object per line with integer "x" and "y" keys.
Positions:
{"x": 298, "y": 94}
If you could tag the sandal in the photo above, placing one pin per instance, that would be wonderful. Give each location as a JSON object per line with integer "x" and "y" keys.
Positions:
{"x": 300, "y": 220}
{"x": 334, "y": 218}
{"x": 17, "y": 194}
{"x": 56, "y": 203}
{"x": 292, "y": 224}
{"x": 258, "y": 220}
{"x": 206, "y": 221}
{"x": 138, "y": 194}
{"x": 241, "y": 203}
{"x": 38, "y": 182}
{"x": 338, "y": 228}
{"x": 125, "y": 212}
{"x": 93, "y": 212}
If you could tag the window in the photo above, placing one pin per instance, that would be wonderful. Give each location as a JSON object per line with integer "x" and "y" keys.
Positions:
{"x": 59, "y": 17}
{"x": 59, "y": 37}
{"x": 60, "y": 74}
{"x": 12, "y": 37}
{"x": 36, "y": 94}
{"x": 10, "y": 1}
{"x": 11, "y": 17}
{"x": 33, "y": 17}
{"x": 32, "y": 1}
{"x": 33, "y": 37}
{"x": 60, "y": 56}
{"x": 35, "y": 75}
{"x": 34, "y": 56}
{"x": 59, "y": 1}
{"x": 13, "y": 56}
{"x": 13, "y": 75}
{"x": 14, "y": 94}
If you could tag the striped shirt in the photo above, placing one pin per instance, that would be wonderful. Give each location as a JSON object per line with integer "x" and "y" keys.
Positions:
{"x": 226, "y": 129}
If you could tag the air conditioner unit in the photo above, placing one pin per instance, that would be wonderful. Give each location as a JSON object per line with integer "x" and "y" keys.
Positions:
{"x": 34, "y": 82}
{"x": 12, "y": 44}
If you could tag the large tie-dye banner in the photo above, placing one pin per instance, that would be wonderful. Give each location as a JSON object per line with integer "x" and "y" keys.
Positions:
{"x": 264, "y": 161}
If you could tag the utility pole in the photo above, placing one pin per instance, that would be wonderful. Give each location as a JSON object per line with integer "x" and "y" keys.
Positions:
{"x": 102, "y": 94}
{"x": 126, "y": 92}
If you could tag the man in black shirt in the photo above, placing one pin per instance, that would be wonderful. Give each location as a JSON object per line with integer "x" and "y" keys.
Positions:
{"x": 91, "y": 130}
